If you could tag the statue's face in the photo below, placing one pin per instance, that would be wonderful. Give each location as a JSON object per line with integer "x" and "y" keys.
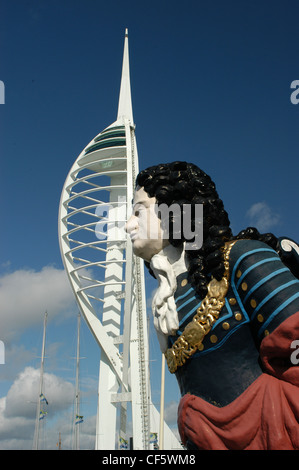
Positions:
{"x": 144, "y": 226}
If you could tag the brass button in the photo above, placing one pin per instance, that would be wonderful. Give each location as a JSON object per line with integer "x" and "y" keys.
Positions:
{"x": 266, "y": 333}
{"x": 239, "y": 273}
{"x": 225, "y": 325}
{"x": 238, "y": 316}
{"x": 232, "y": 301}
{"x": 184, "y": 282}
{"x": 213, "y": 339}
{"x": 253, "y": 303}
{"x": 200, "y": 347}
{"x": 260, "y": 318}
{"x": 244, "y": 286}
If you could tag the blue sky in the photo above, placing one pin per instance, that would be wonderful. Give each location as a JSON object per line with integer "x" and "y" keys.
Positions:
{"x": 210, "y": 85}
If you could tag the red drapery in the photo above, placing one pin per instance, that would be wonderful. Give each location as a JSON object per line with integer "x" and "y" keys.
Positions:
{"x": 264, "y": 417}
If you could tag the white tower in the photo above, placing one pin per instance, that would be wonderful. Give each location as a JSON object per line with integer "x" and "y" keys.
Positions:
{"x": 107, "y": 279}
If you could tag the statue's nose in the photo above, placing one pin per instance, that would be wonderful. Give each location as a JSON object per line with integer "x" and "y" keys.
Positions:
{"x": 131, "y": 224}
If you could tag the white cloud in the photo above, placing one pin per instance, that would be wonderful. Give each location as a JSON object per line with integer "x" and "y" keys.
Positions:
{"x": 18, "y": 411}
{"x": 262, "y": 216}
{"x": 13, "y": 429}
{"x": 23, "y": 393}
{"x": 18, "y": 408}
{"x": 26, "y": 294}
{"x": 24, "y": 297}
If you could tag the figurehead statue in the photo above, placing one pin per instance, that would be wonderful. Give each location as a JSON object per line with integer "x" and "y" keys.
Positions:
{"x": 226, "y": 312}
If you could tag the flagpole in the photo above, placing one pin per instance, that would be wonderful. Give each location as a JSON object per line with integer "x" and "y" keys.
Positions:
{"x": 161, "y": 434}
{"x": 38, "y": 407}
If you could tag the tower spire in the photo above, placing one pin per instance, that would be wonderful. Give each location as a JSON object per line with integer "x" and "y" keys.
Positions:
{"x": 125, "y": 102}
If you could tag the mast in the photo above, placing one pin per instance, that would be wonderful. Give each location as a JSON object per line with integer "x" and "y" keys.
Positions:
{"x": 161, "y": 433}
{"x": 38, "y": 407}
{"x": 76, "y": 428}
{"x": 59, "y": 441}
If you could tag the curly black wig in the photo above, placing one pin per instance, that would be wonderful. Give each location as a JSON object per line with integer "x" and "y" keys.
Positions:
{"x": 185, "y": 183}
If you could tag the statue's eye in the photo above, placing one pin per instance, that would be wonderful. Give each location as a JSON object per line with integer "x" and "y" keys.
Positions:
{"x": 136, "y": 213}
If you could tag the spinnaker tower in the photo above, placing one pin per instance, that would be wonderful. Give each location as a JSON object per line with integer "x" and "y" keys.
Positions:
{"x": 108, "y": 280}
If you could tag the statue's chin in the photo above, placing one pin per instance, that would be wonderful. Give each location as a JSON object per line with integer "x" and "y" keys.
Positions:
{"x": 146, "y": 249}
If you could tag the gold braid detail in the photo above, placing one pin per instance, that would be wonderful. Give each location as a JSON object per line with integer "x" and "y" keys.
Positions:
{"x": 208, "y": 312}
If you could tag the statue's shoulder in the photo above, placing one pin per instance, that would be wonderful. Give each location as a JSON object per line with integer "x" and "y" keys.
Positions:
{"x": 250, "y": 256}
{"x": 246, "y": 247}
{"x": 249, "y": 251}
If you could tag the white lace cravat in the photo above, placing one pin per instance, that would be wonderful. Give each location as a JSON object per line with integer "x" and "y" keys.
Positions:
{"x": 165, "y": 314}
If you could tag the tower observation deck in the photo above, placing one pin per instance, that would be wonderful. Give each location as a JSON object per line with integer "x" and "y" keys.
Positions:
{"x": 108, "y": 280}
